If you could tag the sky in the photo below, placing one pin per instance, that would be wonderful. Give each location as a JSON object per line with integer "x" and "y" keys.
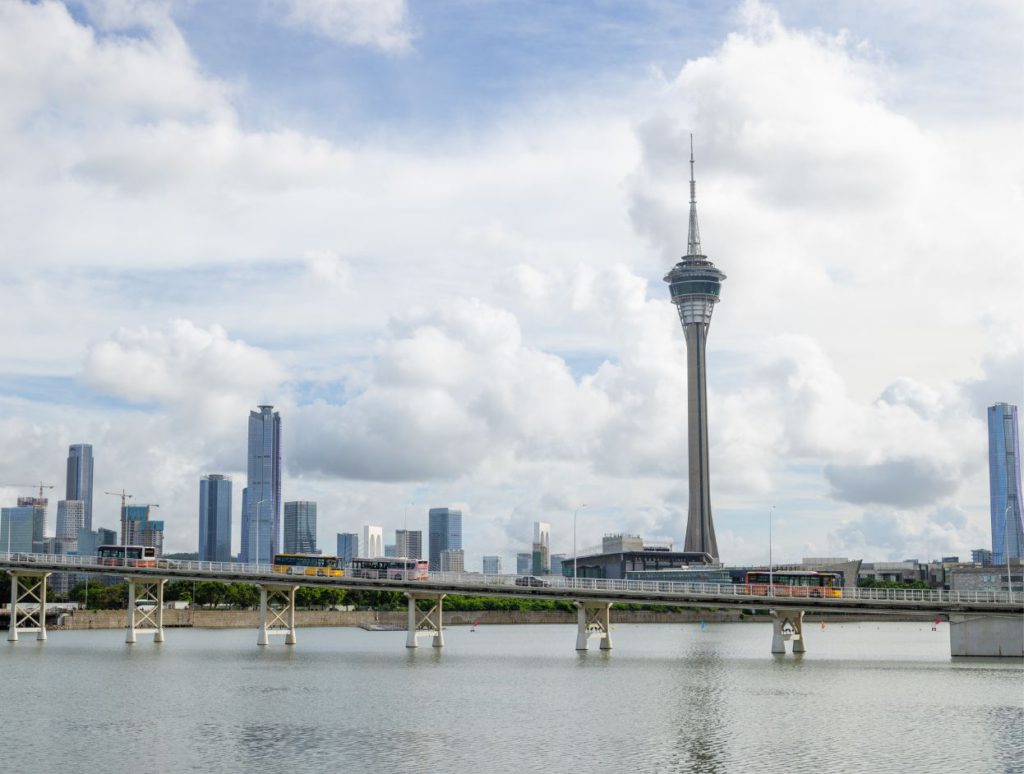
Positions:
{"x": 432, "y": 233}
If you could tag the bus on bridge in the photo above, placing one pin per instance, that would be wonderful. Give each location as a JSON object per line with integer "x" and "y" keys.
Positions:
{"x": 308, "y": 564}
{"x": 795, "y": 583}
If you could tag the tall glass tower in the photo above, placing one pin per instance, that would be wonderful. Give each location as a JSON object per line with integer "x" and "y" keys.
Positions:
{"x": 261, "y": 500}
{"x": 1004, "y": 483}
{"x": 695, "y": 284}
{"x": 79, "y": 478}
{"x": 215, "y": 518}
{"x": 300, "y": 527}
{"x": 445, "y": 534}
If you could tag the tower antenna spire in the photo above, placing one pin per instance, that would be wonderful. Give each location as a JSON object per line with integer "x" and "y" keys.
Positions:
{"x": 693, "y": 237}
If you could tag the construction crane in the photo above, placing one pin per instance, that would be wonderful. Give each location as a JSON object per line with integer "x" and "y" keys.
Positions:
{"x": 41, "y": 486}
{"x": 123, "y": 495}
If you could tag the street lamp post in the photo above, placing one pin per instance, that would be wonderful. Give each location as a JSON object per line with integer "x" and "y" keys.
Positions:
{"x": 1006, "y": 549}
{"x": 258, "y": 504}
{"x": 771, "y": 577}
{"x": 574, "y": 514}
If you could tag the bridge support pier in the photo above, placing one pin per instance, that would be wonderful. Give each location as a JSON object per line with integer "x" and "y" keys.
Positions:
{"x": 28, "y": 604}
{"x": 787, "y": 626}
{"x": 277, "y": 613}
{"x": 145, "y": 608}
{"x": 425, "y": 623}
{"x": 991, "y": 636}
{"x": 593, "y": 619}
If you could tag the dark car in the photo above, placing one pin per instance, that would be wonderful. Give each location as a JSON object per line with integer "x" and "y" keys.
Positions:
{"x": 530, "y": 580}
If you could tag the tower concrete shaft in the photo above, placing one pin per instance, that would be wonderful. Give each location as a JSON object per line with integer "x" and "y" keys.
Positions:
{"x": 700, "y": 528}
{"x": 695, "y": 284}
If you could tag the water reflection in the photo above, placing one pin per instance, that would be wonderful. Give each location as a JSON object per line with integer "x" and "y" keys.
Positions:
{"x": 699, "y": 713}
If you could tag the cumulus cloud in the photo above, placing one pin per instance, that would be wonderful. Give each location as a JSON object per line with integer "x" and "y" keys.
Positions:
{"x": 379, "y": 24}
{"x": 185, "y": 365}
{"x": 890, "y": 535}
{"x": 450, "y": 388}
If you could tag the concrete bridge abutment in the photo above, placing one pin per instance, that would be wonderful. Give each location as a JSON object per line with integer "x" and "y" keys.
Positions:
{"x": 986, "y": 636}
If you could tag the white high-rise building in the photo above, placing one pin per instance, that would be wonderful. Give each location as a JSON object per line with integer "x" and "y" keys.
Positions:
{"x": 453, "y": 560}
{"x": 70, "y": 519}
{"x": 542, "y": 533}
{"x": 371, "y": 543}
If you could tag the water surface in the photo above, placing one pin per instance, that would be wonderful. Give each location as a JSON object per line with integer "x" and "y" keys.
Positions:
{"x": 669, "y": 698}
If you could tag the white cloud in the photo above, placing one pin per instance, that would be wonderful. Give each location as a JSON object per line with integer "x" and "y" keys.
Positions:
{"x": 186, "y": 367}
{"x": 379, "y": 24}
{"x": 476, "y": 311}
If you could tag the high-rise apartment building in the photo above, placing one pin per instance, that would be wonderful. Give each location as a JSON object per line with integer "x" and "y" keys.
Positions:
{"x": 372, "y": 541}
{"x": 541, "y": 548}
{"x": 409, "y": 543}
{"x": 70, "y": 519}
{"x": 453, "y": 560}
{"x": 981, "y": 556}
{"x": 300, "y": 527}
{"x": 492, "y": 565}
{"x": 137, "y": 529}
{"x": 215, "y": 518}
{"x": 79, "y": 478}
{"x": 445, "y": 534}
{"x": 695, "y": 284}
{"x": 524, "y": 563}
{"x": 261, "y": 500}
{"x": 348, "y": 547}
{"x": 1004, "y": 483}
{"x": 16, "y": 529}
{"x": 38, "y": 506}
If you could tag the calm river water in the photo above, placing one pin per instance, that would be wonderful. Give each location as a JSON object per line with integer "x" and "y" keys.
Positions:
{"x": 670, "y": 698}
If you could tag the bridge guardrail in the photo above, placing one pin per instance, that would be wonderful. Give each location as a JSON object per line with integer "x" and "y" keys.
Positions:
{"x": 470, "y": 582}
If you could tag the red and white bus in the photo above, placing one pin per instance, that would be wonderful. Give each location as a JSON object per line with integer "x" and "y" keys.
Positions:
{"x": 126, "y": 556}
{"x": 389, "y": 568}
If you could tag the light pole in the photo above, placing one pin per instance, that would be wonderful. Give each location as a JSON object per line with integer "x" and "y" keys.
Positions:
{"x": 771, "y": 577}
{"x": 258, "y": 504}
{"x": 1006, "y": 548}
{"x": 574, "y": 514}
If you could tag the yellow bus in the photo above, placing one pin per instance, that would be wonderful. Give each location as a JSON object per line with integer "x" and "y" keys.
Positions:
{"x": 308, "y": 564}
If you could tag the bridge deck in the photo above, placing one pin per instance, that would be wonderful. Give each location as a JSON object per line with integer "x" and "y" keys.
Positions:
{"x": 670, "y": 593}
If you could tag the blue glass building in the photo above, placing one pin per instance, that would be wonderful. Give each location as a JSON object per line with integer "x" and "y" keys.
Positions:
{"x": 348, "y": 547}
{"x": 215, "y": 518}
{"x": 445, "y": 526}
{"x": 300, "y": 527}
{"x": 261, "y": 500}
{"x": 16, "y": 528}
{"x": 79, "y": 478}
{"x": 1004, "y": 483}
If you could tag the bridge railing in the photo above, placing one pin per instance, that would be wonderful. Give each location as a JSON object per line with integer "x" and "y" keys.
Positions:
{"x": 478, "y": 584}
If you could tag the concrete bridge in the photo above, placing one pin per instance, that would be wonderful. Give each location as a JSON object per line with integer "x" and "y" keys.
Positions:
{"x": 981, "y": 623}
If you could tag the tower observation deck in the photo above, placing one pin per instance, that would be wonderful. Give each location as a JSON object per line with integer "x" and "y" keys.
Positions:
{"x": 695, "y": 284}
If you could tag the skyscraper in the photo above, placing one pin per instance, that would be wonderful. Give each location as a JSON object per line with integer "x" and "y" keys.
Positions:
{"x": 372, "y": 541}
{"x": 215, "y": 518}
{"x": 453, "y": 560}
{"x": 541, "y": 548}
{"x": 348, "y": 547}
{"x": 38, "y": 506}
{"x": 1004, "y": 483}
{"x": 409, "y": 543}
{"x": 261, "y": 518}
{"x": 70, "y": 519}
{"x": 79, "y": 478}
{"x": 695, "y": 284}
{"x": 524, "y": 563}
{"x": 445, "y": 533}
{"x": 137, "y": 529}
{"x": 16, "y": 529}
{"x": 492, "y": 565}
{"x": 300, "y": 527}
